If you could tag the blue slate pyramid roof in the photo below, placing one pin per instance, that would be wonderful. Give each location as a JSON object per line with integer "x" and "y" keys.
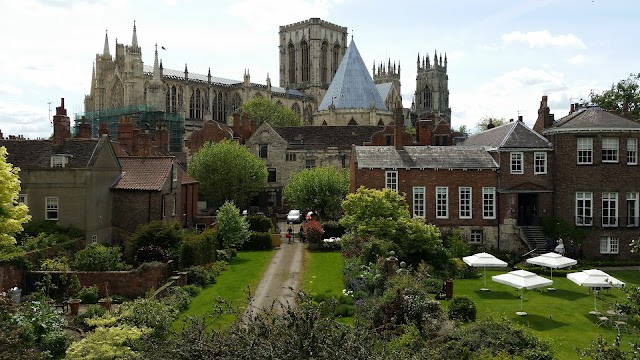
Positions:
{"x": 352, "y": 86}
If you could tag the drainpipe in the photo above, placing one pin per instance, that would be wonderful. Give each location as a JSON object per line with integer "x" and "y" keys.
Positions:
{"x": 149, "y": 208}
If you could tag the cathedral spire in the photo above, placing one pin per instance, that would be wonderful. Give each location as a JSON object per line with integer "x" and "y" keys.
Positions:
{"x": 445, "y": 61}
{"x": 93, "y": 76}
{"x": 435, "y": 58}
{"x": 105, "y": 51}
{"x": 418, "y": 61}
{"x": 156, "y": 67}
{"x": 134, "y": 39}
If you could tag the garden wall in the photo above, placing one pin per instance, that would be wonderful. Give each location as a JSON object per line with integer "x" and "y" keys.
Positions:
{"x": 11, "y": 276}
{"x": 131, "y": 284}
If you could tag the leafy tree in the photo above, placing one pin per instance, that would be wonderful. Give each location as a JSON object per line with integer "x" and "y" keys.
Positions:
{"x": 484, "y": 122}
{"x": 12, "y": 214}
{"x": 464, "y": 129}
{"x": 322, "y": 189}
{"x": 625, "y": 91}
{"x": 227, "y": 171}
{"x": 371, "y": 212}
{"x": 233, "y": 229}
{"x": 264, "y": 110}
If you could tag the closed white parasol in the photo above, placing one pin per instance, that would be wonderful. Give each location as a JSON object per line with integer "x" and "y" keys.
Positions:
{"x": 484, "y": 260}
{"x": 522, "y": 279}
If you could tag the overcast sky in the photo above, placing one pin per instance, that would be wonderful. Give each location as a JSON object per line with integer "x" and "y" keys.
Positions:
{"x": 503, "y": 54}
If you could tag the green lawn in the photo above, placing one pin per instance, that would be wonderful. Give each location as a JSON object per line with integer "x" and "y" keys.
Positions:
{"x": 561, "y": 317}
{"x": 242, "y": 273}
{"x": 323, "y": 272}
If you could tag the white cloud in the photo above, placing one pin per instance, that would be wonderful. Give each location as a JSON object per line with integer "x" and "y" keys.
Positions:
{"x": 8, "y": 89}
{"x": 541, "y": 39}
{"x": 277, "y": 13}
{"x": 455, "y": 55}
{"x": 578, "y": 59}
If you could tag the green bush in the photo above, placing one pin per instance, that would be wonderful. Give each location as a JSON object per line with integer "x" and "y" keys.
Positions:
{"x": 224, "y": 255}
{"x": 96, "y": 257}
{"x": 93, "y": 311}
{"x": 200, "y": 276}
{"x": 193, "y": 290}
{"x": 462, "y": 308}
{"x": 157, "y": 233}
{"x": 432, "y": 285}
{"x": 88, "y": 294}
{"x": 149, "y": 313}
{"x": 333, "y": 229}
{"x": 344, "y": 310}
{"x": 198, "y": 249}
{"x": 118, "y": 342}
{"x": 178, "y": 298}
{"x": 48, "y": 227}
{"x": 258, "y": 241}
{"x": 260, "y": 223}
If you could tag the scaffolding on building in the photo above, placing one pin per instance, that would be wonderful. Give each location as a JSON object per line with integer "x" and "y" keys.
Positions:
{"x": 145, "y": 117}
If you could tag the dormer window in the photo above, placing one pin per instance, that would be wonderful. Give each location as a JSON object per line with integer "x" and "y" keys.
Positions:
{"x": 59, "y": 161}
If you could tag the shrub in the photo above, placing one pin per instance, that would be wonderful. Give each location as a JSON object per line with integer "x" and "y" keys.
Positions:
{"x": 224, "y": 255}
{"x": 233, "y": 229}
{"x": 258, "y": 241}
{"x": 93, "y": 311}
{"x": 96, "y": 257}
{"x": 40, "y": 323}
{"x": 34, "y": 228}
{"x": 198, "y": 249}
{"x": 192, "y": 290}
{"x": 88, "y": 295}
{"x": 151, "y": 253}
{"x": 462, "y": 308}
{"x": 149, "y": 313}
{"x": 333, "y": 229}
{"x": 344, "y": 310}
{"x": 313, "y": 232}
{"x": 55, "y": 264}
{"x": 432, "y": 285}
{"x": 178, "y": 298}
{"x": 260, "y": 223}
{"x": 200, "y": 276}
{"x": 156, "y": 233}
{"x": 119, "y": 342}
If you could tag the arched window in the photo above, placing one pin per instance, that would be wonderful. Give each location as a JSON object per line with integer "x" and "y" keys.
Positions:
{"x": 167, "y": 99}
{"x": 117, "y": 94}
{"x": 173, "y": 101}
{"x": 192, "y": 106}
{"x": 306, "y": 59}
{"x": 180, "y": 100}
{"x": 144, "y": 94}
{"x": 236, "y": 102}
{"x": 214, "y": 109}
{"x": 257, "y": 95}
{"x": 222, "y": 107}
{"x": 198, "y": 107}
{"x": 296, "y": 108}
{"x": 335, "y": 55}
{"x": 426, "y": 97}
{"x": 292, "y": 63}
{"x": 323, "y": 61}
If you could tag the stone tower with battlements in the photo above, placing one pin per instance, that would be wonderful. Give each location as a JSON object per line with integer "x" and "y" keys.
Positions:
{"x": 432, "y": 87}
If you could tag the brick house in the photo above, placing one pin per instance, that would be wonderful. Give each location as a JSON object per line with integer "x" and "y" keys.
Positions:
{"x": 597, "y": 181}
{"x": 152, "y": 188}
{"x": 287, "y": 149}
{"x": 67, "y": 180}
{"x": 525, "y": 181}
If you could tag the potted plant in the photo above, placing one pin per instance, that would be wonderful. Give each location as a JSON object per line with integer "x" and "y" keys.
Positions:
{"x": 72, "y": 290}
{"x": 105, "y": 302}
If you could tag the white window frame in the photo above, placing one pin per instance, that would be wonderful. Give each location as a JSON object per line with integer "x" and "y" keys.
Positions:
{"x": 419, "y": 201}
{"x": 609, "y": 209}
{"x": 633, "y": 210}
{"x": 610, "y": 150}
{"x": 290, "y": 157}
{"x": 59, "y": 161}
{"x": 391, "y": 180}
{"x": 94, "y": 239}
{"x": 465, "y": 210}
{"x": 584, "y": 208}
{"x": 51, "y": 204}
{"x": 516, "y": 162}
{"x": 22, "y": 199}
{"x": 609, "y": 245}
{"x": 539, "y": 163}
{"x": 584, "y": 148}
{"x": 442, "y": 202}
{"x": 476, "y": 236}
{"x": 632, "y": 151}
{"x": 175, "y": 204}
{"x": 488, "y": 203}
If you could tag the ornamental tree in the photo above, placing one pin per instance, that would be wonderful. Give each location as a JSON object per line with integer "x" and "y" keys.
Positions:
{"x": 233, "y": 229}
{"x": 371, "y": 212}
{"x": 12, "y": 213}
{"x": 227, "y": 171}
{"x": 264, "y": 110}
{"x": 322, "y": 189}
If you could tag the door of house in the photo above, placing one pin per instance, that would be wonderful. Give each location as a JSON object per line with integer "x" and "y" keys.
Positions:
{"x": 527, "y": 209}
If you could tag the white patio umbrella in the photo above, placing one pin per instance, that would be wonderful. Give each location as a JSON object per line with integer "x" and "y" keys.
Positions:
{"x": 594, "y": 279}
{"x": 553, "y": 261}
{"x": 522, "y": 279}
{"x": 484, "y": 261}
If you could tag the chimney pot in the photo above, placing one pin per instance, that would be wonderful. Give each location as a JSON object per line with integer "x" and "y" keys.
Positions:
{"x": 520, "y": 118}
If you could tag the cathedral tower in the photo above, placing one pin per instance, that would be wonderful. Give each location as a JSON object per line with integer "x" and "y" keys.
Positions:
{"x": 310, "y": 53}
{"x": 432, "y": 88}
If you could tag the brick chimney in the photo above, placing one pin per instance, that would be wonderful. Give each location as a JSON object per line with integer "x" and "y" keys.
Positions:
{"x": 61, "y": 125}
{"x": 398, "y": 121}
{"x": 143, "y": 142}
{"x": 544, "y": 120}
{"x": 84, "y": 130}
{"x": 125, "y": 131}
{"x": 520, "y": 118}
{"x": 161, "y": 137}
{"x": 424, "y": 131}
{"x": 103, "y": 129}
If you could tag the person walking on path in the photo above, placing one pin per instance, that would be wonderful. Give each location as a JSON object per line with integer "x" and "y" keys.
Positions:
{"x": 289, "y": 234}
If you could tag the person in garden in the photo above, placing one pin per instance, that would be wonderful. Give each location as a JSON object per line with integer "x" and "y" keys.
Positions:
{"x": 289, "y": 234}
{"x": 301, "y": 233}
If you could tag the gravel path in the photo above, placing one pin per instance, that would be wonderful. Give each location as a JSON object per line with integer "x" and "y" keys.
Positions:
{"x": 280, "y": 282}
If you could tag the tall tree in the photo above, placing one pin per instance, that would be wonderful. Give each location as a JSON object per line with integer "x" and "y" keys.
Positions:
{"x": 322, "y": 189}
{"x": 483, "y": 124}
{"x": 625, "y": 93}
{"x": 12, "y": 213}
{"x": 262, "y": 109}
{"x": 233, "y": 229}
{"x": 227, "y": 171}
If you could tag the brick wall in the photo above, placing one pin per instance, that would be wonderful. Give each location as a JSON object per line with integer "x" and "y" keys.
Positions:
{"x": 11, "y": 276}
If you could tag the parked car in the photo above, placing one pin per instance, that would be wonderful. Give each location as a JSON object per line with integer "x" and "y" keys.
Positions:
{"x": 294, "y": 217}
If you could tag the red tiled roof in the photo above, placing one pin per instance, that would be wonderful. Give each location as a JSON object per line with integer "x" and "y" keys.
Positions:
{"x": 144, "y": 173}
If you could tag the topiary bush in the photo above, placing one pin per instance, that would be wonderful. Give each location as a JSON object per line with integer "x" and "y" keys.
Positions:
{"x": 462, "y": 308}
{"x": 258, "y": 241}
{"x": 260, "y": 223}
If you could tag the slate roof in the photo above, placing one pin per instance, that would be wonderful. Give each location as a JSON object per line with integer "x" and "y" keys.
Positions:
{"x": 36, "y": 154}
{"x": 424, "y": 157}
{"x": 511, "y": 135}
{"x": 592, "y": 119}
{"x": 176, "y": 74}
{"x": 352, "y": 86}
{"x": 144, "y": 173}
{"x": 384, "y": 89}
{"x": 321, "y": 137}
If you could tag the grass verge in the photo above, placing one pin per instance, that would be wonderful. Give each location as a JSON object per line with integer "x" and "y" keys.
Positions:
{"x": 323, "y": 272}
